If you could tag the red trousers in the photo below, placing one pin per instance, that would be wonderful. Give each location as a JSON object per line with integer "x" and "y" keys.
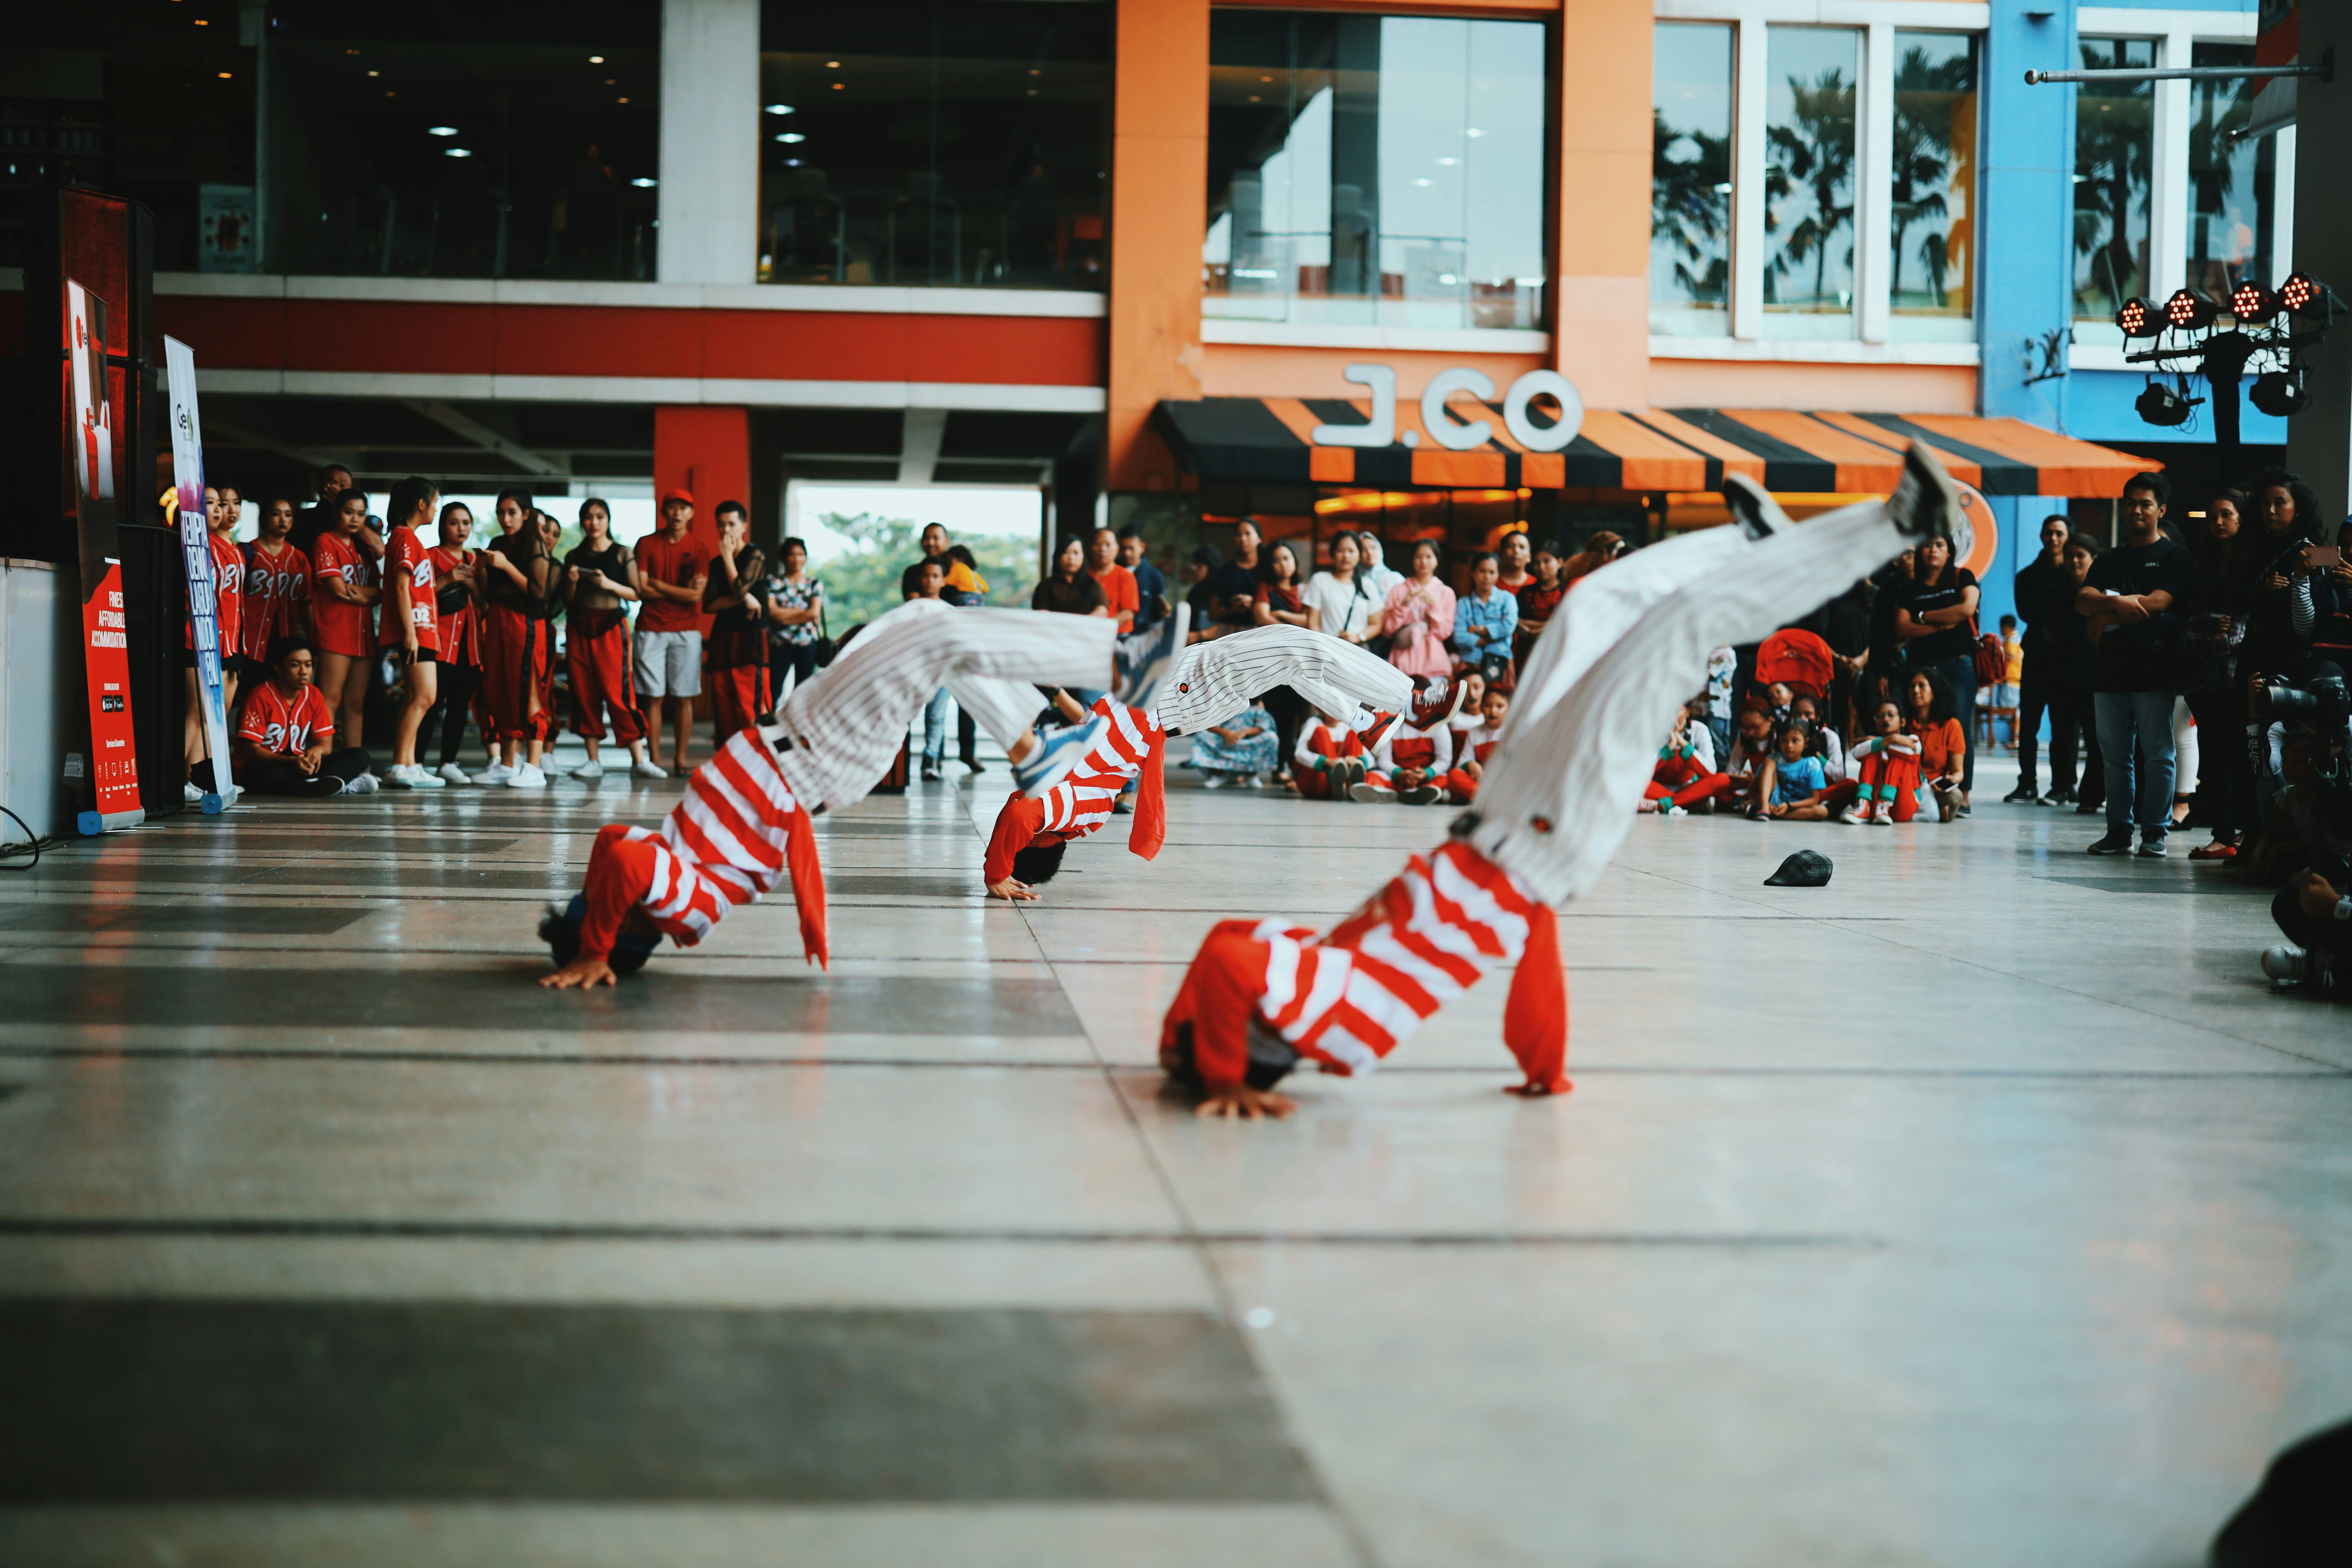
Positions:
{"x": 517, "y": 662}
{"x": 1684, "y": 781}
{"x": 737, "y": 697}
{"x": 600, "y": 681}
{"x": 1460, "y": 787}
{"x": 1896, "y": 769}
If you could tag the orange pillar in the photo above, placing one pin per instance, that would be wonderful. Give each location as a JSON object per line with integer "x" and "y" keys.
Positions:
{"x": 1158, "y": 206}
{"x": 707, "y": 452}
{"x": 1601, "y": 271}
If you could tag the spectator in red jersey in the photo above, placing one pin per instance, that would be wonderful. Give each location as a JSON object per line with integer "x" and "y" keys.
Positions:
{"x": 1538, "y": 598}
{"x": 735, "y": 595}
{"x": 672, "y": 571}
{"x": 1120, "y": 596}
{"x": 344, "y": 593}
{"x": 411, "y": 631}
{"x": 276, "y": 591}
{"x": 228, "y": 599}
{"x": 518, "y": 583}
{"x": 458, "y": 614}
{"x": 283, "y": 743}
{"x": 600, "y": 580}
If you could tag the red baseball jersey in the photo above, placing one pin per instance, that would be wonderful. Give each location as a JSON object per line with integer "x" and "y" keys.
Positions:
{"x": 276, "y": 593}
{"x": 405, "y": 557}
{"x": 343, "y": 627}
{"x": 459, "y": 631}
{"x": 283, "y": 727}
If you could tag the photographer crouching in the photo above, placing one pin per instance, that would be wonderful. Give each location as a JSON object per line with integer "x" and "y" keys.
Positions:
{"x": 2310, "y": 827}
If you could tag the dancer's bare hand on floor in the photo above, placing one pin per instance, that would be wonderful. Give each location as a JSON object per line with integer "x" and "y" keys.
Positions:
{"x": 582, "y": 972}
{"x": 1245, "y": 1103}
{"x": 1013, "y": 889}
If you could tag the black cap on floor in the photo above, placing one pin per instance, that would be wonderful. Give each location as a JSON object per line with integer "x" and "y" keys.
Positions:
{"x": 1805, "y": 868}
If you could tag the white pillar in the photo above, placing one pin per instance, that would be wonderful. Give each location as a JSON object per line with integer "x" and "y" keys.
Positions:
{"x": 710, "y": 141}
{"x": 1874, "y": 196}
{"x": 1747, "y": 182}
{"x": 2169, "y": 198}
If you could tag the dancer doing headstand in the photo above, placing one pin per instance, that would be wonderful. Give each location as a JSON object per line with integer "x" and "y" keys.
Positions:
{"x": 744, "y": 824}
{"x": 1557, "y": 797}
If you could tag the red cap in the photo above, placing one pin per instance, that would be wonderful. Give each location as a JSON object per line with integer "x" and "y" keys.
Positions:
{"x": 686, "y": 496}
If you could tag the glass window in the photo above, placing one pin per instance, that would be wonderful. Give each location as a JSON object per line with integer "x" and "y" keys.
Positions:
{"x": 1690, "y": 180}
{"x": 438, "y": 140}
{"x": 1369, "y": 170}
{"x": 1808, "y": 169}
{"x": 945, "y": 143}
{"x": 2230, "y": 180}
{"x": 1933, "y": 203}
{"x": 2114, "y": 148}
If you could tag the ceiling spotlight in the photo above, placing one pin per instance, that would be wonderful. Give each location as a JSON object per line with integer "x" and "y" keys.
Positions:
{"x": 596, "y": 60}
{"x": 780, "y": 109}
{"x": 456, "y": 151}
{"x": 2278, "y": 393}
{"x": 440, "y": 130}
{"x": 2159, "y": 404}
{"x": 2190, "y": 308}
{"x": 832, "y": 65}
{"x": 791, "y": 136}
{"x": 2250, "y": 301}
{"x": 644, "y": 184}
{"x": 2138, "y": 318}
{"x": 2304, "y": 294}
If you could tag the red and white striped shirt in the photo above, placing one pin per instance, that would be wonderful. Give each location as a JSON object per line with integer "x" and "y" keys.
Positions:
{"x": 1128, "y": 751}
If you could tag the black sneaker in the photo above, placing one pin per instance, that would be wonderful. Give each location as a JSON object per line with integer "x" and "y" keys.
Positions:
{"x": 2062, "y": 795}
{"x": 2118, "y": 841}
{"x": 2151, "y": 846}
{"x": 2046, "y": 800}
{"x": 2022, "y": 795}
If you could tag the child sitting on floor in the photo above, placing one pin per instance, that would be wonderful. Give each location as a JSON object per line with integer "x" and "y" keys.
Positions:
{"x": 1329, "y": 759}
{"x": 1413, "y": 758}
{"x": 1241, "y": 750}
{"x": 1751, "y": 749}
{"x": 1887, "y": 766}
{"x": 1473, "y": 743}
{"x": 1794, "y": 782}
{"x": 1685, "y": 779}
{"x": 1826, "y": 743}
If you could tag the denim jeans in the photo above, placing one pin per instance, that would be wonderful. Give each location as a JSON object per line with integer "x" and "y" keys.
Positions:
{"x": 935, "y": 726}
{"x": 2135, "y": 738}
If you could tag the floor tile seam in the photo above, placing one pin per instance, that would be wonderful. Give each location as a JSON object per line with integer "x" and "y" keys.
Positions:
{"x": 2102, "y": 1001}
{"x": 373, "y": 1228}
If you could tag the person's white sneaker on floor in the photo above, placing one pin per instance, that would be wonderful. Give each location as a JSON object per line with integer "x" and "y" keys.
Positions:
{"x": 420, "y": 779}
{"x": 451, "y": 773}
{"x": 528, "y": 776}
{"x": 1885, "y": 816}
{"x": 191, "y": 794}
{"x": 1370, "y": 794}
{"x": 591, "y": 771}
{"x": 642, "y": 769}
{"x": 1856, "y": 814}
{"x": 2287, "y": 965}
{"x": 1213, "y": 781}
{"x": 363, "y": 784}
{"x": 396, "y": 777}
{"x": 496, "y": 773}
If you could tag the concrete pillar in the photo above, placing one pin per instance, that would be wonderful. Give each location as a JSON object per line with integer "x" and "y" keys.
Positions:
{"x": 1159, "y": 202}
{"x": 1601, "y": 281}
{"x": 706, "y": 451}
{"x": 710, "y": 141}
{"x": 2320, "y": 439}
{"x": 2029, "y": 209}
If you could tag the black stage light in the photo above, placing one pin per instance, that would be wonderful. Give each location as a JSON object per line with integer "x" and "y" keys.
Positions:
{"x": 2138, "y": 318}
{"x": 2250, "y": 301}
{"x": 2304, "y": 294}
{"x": 2189, "y": 309}
{"x": 2159, "y": 404}
{"x": 2279, "y": 394}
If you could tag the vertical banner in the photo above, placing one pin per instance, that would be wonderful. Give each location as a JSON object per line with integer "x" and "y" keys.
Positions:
{"x": 196, "y": 554}
{"x": 113, "y": 774}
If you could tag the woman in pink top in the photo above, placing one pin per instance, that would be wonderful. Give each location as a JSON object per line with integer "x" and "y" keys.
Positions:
{"x": 1420, "y": 618}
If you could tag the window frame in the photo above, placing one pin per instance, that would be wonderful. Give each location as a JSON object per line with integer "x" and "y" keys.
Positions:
{"x": 1876, "y": 21}
{"x": 2176, "y": 35}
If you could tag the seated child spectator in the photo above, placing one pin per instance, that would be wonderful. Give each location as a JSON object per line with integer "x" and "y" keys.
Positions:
{"x": 1751, "y": 748}
{"x": 1780, "y": 703}
{"x": 1473, "y": 743}
{"x": 1887, "y": 768}
{"x": 1685, "y": 779}
{"x": 283, "y": 743}
{"x": 1794, "y": 785}
{"x": 1826, "y": 744}
{"x": 1330, "y": 759}
{"x": 1241, "y": 750}
{"x": 2298, "y": 832}
{"x": 1410, "y": 764}
{"x": 1943, "y": 744}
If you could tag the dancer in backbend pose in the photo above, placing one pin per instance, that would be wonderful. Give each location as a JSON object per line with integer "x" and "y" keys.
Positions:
{"x": 1557, "y": 797}
{"x": 744, "y": 823}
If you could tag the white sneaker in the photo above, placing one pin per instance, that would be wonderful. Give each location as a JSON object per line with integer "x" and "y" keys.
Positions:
{"x": 2288, "y": 964}
{"x": 191, "y": 794}
{"x": 590, "y": 770}
{"x": 408, "y": 775}
{"x": 452, "y": 773}
{"x": 528, "y": 776}
{"x": 1857, "y": 813}
{"x": 1213, "y": 781}
{"x": 496, "y": 773}
{"x": 1253, "y": 781}
{"x": 643, "y": 769}
{"x": 363, "y": 784}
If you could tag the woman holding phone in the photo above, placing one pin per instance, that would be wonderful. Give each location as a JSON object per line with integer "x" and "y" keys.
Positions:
{"x": 600, "y": 581}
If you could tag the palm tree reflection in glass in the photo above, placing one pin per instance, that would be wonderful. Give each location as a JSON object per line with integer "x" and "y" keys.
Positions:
{"x": 1811, "y": 150}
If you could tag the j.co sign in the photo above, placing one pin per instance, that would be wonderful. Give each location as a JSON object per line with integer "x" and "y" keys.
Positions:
{"x": 1458, "y": 435}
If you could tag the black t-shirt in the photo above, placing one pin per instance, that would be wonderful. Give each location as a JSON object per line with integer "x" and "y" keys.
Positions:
{"x": 739, "y": 637}
{"x": 2140, "y": 656}
{"x": 1952, "y": 642}
{"x": 1082, "y": 598}
{"x": 588, "y": 613}
{"x": 2043, "y": 596}
{"x": 910, "y": 581}
{"x": 521, "y": 548}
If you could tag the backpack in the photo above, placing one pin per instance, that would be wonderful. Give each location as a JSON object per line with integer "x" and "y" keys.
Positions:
{"x": 1992, "y": 660}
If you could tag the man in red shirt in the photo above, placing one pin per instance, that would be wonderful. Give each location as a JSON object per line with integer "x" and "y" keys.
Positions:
{"x": 672, "y": 571}
{"x": 283, "y": 743}
{"x": 410, "y": 622}
{"x": 1120, "y": 596}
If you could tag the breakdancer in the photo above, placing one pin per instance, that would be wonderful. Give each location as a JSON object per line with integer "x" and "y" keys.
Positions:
{"x": 744, "y": 823}
{"x": 1557, "y": 797}
{"x": 1211, "y": 679}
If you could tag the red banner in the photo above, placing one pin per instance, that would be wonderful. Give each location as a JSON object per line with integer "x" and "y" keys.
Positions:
{"x": 106, "y": 660}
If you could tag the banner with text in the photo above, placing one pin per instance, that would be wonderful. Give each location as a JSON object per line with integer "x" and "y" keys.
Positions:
{"x": 113, "y": 771}
{"x": 197, "y": 555}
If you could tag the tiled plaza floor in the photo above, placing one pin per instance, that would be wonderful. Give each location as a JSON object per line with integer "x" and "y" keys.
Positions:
{"x": 1980, "y": 1208}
